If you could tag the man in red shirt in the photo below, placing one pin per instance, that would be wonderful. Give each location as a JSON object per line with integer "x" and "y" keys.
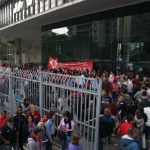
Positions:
{"x": 3, "y": 119}
{"x": 125, "y": 126}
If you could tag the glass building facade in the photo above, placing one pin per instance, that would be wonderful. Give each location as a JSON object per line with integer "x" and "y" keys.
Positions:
{"x": 118, "y": 38}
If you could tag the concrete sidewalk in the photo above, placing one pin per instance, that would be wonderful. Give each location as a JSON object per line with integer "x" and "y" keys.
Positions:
{"x": 115, "y": 145}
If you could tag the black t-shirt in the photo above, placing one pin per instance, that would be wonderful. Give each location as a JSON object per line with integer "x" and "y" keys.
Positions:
{"x": 10, "y": 134}
{"x": 19, "y": 120}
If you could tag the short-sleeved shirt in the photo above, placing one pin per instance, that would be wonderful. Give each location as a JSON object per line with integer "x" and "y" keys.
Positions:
{"x": 66, "y": 125}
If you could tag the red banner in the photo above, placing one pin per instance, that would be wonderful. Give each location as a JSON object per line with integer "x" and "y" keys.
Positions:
{"x": 77, "y": 65}
{"x": 54, "y": 64}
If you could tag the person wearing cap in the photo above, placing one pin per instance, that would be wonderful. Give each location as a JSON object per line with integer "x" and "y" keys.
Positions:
{"x": 19, "y": 119}
{"x": 33, "y": 142}
{"x": 9, "y": 134}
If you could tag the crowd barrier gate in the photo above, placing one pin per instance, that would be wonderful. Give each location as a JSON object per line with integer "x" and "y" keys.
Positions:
{"x": 48, "y": 91}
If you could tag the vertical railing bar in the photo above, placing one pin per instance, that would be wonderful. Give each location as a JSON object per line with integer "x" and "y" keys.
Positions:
{"x": 98, "y": 106}
{"x": 10, "y": 93}
{"x": 40, "y": 92}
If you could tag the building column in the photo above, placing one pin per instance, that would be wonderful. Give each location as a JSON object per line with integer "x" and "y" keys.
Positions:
{"x": 127, "y": 35}
{"x": 18, "y": 51}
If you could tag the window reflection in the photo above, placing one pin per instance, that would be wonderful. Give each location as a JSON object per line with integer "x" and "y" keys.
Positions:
{"x": 119, "y": 41}
{"x": 60, "y": 31}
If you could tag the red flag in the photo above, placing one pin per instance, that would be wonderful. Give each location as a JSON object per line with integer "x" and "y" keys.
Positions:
{"x": 53, "y": 63}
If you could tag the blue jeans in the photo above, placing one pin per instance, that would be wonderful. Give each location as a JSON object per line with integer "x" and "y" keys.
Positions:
{"x": 49, "y": 144}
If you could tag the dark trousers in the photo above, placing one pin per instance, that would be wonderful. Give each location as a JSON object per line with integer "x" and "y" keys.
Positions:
{"x": 147, "y": 135}
{"x": 20, "y": 142}
{"x": 100, "y": 144}
{"x": 48, "y": 145}
{"x": 8, "y": 147}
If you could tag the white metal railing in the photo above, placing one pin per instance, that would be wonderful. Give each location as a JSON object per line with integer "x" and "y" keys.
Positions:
{"x": 49, "y": 91}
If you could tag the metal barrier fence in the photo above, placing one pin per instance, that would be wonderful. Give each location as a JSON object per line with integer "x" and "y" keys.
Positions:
{"x": 79, "y": 95}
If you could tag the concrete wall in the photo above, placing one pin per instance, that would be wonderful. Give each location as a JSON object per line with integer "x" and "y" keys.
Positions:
{"x": 29, "y": 51}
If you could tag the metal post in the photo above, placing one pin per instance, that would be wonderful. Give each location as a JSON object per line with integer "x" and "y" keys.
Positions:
{"x": 40, "y": 92}
{"x": 10, "y": 93}
{"x": 99, "y": 91}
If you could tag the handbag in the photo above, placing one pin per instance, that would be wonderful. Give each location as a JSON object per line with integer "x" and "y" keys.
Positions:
{"x": 62, "y": 135}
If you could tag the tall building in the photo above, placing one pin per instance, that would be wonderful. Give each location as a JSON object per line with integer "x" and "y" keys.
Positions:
{"x": 114, "y": 34}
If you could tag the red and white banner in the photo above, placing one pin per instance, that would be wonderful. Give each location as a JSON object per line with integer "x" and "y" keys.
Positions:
{"x": 77, "y": 65}
{"x": 54, "y": 64}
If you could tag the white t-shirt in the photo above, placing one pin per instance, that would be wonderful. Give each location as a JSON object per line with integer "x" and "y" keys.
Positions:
{"x": 148, "y": 92}
{"x": 147, "y": 112}
{"x": 130, "y": 86}
{"x": 66, "y": 125}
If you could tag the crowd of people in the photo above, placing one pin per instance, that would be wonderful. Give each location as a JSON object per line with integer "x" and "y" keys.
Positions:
{"x": 125, "y": 111}
{"x": 27, "y": 129}
{"x": 127, "y": 98}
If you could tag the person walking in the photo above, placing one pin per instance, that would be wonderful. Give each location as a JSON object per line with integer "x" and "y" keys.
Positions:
{"x": 66, "y": 126}
{"x": 129, "y": 142}
{"x": 140, "y": 119}
{"x": 9, "y": 134}
{"x": 107, "y": 124}
{"x": 75, "y": 145}
{"x": 50, "y": 129}
{"x": 35, "y": 114}
{"x": 3, "y": 119}
{"x": 28, "y": 128}
{"x": 125, "y": 126}
{"x": 33, "y": 141}
{"x": 19, "y": 119}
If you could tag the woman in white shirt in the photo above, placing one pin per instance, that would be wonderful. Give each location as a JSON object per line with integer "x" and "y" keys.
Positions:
{"x": 67, "y": 126}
